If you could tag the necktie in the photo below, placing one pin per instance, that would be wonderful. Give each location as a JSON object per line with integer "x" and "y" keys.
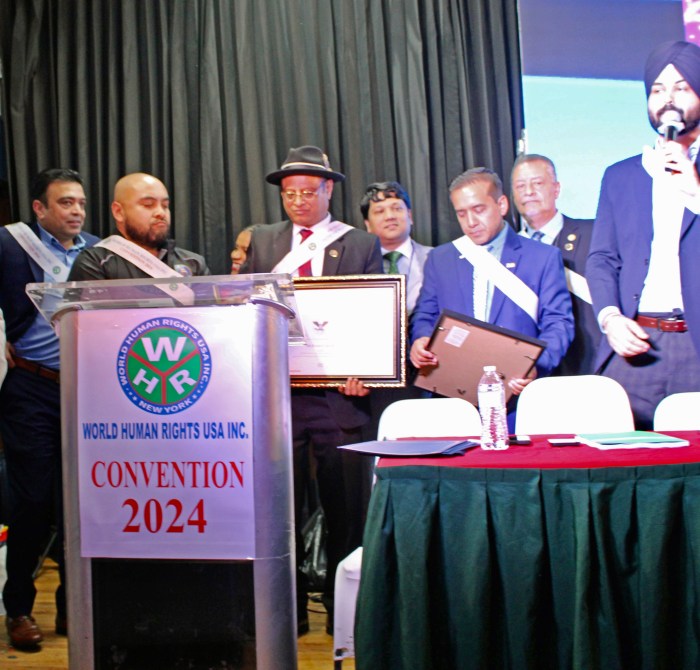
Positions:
{"x": 537, "y": 236}
{"x": 393, "y": 258}
{"x": 305, "y": 268}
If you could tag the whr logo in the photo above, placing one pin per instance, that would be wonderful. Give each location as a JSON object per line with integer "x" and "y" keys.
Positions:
{"x": 164, "y": 365}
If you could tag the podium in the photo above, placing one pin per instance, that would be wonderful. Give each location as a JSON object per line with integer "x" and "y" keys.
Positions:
{"x": 177, "y": 470}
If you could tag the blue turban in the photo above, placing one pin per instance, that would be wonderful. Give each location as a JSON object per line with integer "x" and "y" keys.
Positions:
{"x": 684, "y": 56}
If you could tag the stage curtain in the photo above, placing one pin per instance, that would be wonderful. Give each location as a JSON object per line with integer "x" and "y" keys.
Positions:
{"x": 210, "y": 94}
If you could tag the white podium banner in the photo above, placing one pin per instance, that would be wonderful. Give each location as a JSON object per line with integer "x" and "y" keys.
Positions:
{"x": 165, "y": 458}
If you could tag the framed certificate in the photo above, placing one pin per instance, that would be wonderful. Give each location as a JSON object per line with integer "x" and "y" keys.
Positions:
{"x": 464, "y": 345}
{"x": 353, "y": 326}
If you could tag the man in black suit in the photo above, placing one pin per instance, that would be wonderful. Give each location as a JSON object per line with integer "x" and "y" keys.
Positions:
{"x": 535, "y": 191}
{"x": 311, "y": 243}
{"x": 30, "y": 421}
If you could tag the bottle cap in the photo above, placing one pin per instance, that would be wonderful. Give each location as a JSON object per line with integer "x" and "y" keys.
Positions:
{"x": 489, "y": 368}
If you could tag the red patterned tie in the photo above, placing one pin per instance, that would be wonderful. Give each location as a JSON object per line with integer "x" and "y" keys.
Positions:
{"x": 305, "y": 269}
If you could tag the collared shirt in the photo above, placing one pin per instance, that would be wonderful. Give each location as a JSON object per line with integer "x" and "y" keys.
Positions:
{"x": 404, "y": 262}
{"x": 39, "y": 343}
{"x": 495, "y": 248}
{"x": 549, "y": 231}
{"x": 662, "y": 286}
{"x": 317, "y": 260}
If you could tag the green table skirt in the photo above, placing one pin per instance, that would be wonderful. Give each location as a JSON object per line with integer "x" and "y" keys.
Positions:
{"x": 485, "y": 568}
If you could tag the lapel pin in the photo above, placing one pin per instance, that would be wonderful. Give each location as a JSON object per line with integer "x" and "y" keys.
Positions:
{"x": 333, "y": 253}
{"x": 510, "y": 265}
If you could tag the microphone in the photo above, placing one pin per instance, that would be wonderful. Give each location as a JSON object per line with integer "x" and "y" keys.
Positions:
{"x": 671, "y": 125}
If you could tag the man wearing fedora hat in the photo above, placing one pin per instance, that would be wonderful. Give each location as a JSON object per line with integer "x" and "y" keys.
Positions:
{"x": 312, "y": 243}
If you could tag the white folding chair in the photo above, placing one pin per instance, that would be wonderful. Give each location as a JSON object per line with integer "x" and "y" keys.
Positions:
{"x": 421, "y": 417}
{"x": 680, "y": 411}
{"x": 429, "y": 417}
{"x": 576, "y": 404}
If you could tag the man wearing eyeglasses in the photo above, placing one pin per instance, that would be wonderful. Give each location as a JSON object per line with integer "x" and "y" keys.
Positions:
{"x": 309, "y": 244}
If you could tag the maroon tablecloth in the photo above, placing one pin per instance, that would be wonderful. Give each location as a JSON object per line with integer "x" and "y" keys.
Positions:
{"x": 540, "y": 454}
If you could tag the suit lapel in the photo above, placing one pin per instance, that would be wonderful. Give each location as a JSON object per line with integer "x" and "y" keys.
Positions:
{"x": 281, "y": 244}
{"x": 510, "y": 258}
{"x": 332, "y": 255}
{"x": 465, "y": 273}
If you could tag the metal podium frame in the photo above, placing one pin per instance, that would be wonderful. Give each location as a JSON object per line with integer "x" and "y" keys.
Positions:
{"x": 270, "y": 297}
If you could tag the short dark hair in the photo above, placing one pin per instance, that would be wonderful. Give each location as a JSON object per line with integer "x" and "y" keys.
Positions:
{"x": 534, "y": 158}
{"x": 381, "y": 190}
{"x": 45, "y": 178}
{"x": 479, "y": 174}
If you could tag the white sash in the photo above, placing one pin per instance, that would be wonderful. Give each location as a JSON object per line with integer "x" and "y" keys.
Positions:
{"x": 150, "y": 264}
{"x": 50, "y": 264}
{"x": 311, "y": 246}
{"x": 510, "y": 284}
{"x": 578, "y": 285}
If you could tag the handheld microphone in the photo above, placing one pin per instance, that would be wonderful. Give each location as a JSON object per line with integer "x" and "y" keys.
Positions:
{"x": 671, "y": 125}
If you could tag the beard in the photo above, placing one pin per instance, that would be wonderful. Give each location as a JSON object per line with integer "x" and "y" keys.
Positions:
{"x": 150, "y": 239}
{"x": 690, "y": 117}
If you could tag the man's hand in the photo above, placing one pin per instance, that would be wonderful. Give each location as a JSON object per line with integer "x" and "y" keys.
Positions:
{"x": 625, "y": 336}
{"x": 685, "y": 175}
{"x": 420, "y": 356}
{"x": 354, "y": 387}
{"x": 518, "y": 385}
{"x": 9, "y": 352}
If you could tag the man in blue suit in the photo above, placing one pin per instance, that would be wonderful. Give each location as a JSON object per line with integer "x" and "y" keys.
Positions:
{"x": 454, "y": 283}
{"x": 643, "y": 269}
{"x": 30, "y": 421}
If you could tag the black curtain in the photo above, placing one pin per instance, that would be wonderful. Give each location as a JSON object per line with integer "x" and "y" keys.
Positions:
{"x": 209, "y": 95}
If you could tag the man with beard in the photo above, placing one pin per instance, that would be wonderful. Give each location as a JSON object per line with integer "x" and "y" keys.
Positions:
{"x": 643, "y": 270}
{"x": 141, "y": 211}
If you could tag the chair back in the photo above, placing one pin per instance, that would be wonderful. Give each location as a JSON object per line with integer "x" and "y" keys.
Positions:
{"x": 576, "y": 404}
{"x": 429, "y": 417}
{"x": 680, "y": 411}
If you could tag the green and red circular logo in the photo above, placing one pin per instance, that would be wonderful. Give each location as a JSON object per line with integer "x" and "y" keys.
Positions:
{"x": 164, "y": 365}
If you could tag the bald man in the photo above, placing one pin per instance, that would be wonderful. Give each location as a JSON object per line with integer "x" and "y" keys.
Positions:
{"x": 643, "y": 270}
{"x": 141, "y": 211}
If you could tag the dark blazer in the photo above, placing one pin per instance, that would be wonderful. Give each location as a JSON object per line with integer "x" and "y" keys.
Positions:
{"x": 356, "y": 252}
{"x": 17, "y": 270}
{"x": 574, "y": 242}
{"x": 448, "y": 284}
{"x": 618, "y": 261}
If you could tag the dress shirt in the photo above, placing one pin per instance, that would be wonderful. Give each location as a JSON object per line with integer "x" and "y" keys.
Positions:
{"x": 39, "y": 343}
{"x": 317, "y": 260}
{"x": 404, "y": 263}
{"x": 483, "y": 289}
{"x": 549, "y": 231}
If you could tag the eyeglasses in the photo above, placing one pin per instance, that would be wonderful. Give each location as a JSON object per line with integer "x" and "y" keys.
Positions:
{"x": 306, "y": 195}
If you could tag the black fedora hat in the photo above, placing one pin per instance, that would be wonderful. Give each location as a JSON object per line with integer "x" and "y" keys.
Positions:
{"x": 305, "y": 160}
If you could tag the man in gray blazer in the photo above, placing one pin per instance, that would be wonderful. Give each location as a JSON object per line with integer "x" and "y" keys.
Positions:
{"x": 312, "y": 243}
{"x": 535, "y": 191}
{"x": 386, "y": 210}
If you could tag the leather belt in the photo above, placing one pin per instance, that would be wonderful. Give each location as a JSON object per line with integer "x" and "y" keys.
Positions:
{"x": 35, "y": 368}
{"x": 666, "y": 325}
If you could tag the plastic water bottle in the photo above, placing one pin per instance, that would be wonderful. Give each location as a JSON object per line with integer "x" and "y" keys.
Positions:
{"x": 492, "y": 408}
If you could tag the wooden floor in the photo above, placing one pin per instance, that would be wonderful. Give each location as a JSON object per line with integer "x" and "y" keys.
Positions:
{"x": 315, "y": 648}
